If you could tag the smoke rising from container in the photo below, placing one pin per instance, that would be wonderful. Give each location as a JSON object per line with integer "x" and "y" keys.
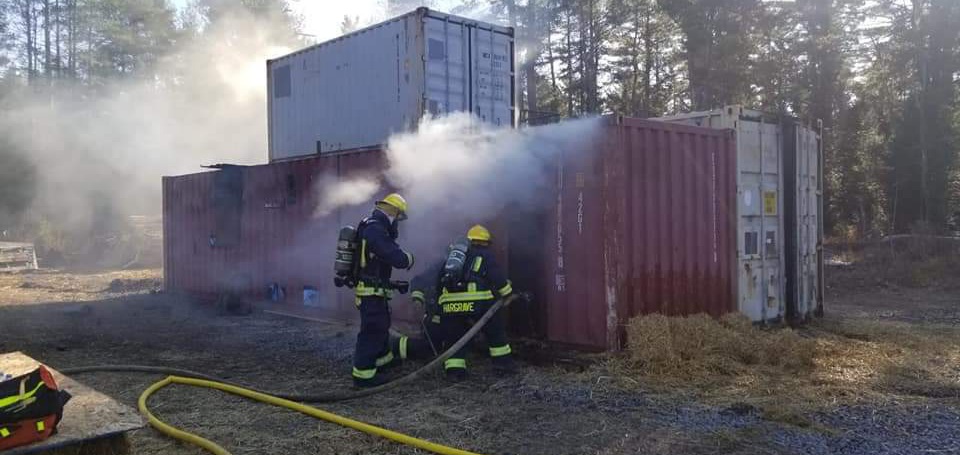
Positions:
{"x": 455, "y": 171}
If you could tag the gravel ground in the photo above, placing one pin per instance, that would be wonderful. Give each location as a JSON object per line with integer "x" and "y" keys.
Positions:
{"x": 71, "y": 320}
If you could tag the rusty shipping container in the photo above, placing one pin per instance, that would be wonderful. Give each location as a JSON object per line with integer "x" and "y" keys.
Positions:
{"x": 241, "y": 229}
{"x": 639, "y": 221}
{"x": 643, "y": 223}
{"x": 780, "y": 208}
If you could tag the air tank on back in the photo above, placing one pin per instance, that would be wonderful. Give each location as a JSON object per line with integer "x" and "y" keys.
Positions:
{"x": 344, "y": 265}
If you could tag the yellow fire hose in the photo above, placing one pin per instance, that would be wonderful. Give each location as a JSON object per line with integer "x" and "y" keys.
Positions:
{"x": 286, "y": 400}
{"x": 264, "y": 398}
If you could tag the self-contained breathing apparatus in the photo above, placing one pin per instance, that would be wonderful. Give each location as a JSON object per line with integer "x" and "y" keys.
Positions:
{"x": 346, "y": 266}
{"x": 453, "y": 268}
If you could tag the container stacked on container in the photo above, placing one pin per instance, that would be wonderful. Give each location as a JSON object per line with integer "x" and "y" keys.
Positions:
{"x": 640, "y": 221}
{"x": 353, "y": 92}
{"x": 648, "y": 217}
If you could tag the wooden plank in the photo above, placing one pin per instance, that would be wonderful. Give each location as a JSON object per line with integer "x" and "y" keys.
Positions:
{"x": 17, "y": 256}
{"x": 87, "y": 416}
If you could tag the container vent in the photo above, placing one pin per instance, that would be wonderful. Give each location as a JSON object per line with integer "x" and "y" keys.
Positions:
{"x": 435, "y": 50}
{"x": 281, "y": 82}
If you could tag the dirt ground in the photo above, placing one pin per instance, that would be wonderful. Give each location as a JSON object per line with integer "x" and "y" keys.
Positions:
{"x": 74, "y": 319}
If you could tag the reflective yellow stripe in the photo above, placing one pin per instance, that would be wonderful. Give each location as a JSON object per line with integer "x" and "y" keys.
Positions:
{"x": 385, "y": 359}
{"x": 364, "y": 374}
{"x": 403, "y": 347}
{"x": 417, "y": 295}
{"x": 363, "y": 253}
{"x": 4, "y": 402}
{"x": 500, "y": 351}
{"x": 454, "y": 363}
{"x": 41, "y": 426}
{"x": 477, "y": 263}
{"x": 449, "y": 297}
{"x": 435, "y": 319}
{"x": 362, "y": 290}
{"x": 506, "y": 290}
{"x": 4, "y": 432}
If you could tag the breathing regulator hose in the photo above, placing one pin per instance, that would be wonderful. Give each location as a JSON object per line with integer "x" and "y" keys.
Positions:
{"x": 292, "y": 400}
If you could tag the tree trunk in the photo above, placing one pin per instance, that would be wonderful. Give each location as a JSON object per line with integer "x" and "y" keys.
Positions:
{"x": 922, "y": 104}
{"x": 512, "y": 19}
{"x": 647, "y": 61}
{"x": 27, "y": 14}
{"x": 553, "y": 67}
{"x": 74, "y": 27}
{"x": 47, "y": 67}
{"x": 56, "y": 37}
{"x": 533, "y": 54}
{"x": 592, "y": 60}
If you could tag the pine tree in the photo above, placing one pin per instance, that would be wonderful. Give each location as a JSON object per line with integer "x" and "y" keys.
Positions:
{"x": 718, "y": 45}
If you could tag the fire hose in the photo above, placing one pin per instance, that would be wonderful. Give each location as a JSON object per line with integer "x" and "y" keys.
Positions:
{"x": 291, "y": 401}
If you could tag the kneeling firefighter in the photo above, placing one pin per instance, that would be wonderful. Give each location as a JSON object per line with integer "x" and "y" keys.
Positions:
{"x": 472, "y": 281}
{"x": 379, "y": 254}
{"x": 424, "y": 291}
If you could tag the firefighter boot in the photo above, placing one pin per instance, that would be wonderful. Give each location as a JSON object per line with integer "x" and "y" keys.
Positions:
{"x": 455, "y": 369}
{"x": 504, "y": 365}
{"x": 376, "y": 380}
{"x": 456, "y": 375}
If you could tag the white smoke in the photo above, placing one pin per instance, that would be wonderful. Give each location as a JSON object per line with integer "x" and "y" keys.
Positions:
{"x": 202, "y": 103}
{"x": 335, "y": 194}
{"x": 461, "y": 168}
{"x": 456, "y": 171}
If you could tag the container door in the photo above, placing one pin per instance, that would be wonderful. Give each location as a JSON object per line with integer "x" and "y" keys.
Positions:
{"x": 491, "y": 73}
{"x": 759, "y": 228}
{"x": 468, "y": 68}
{"x": 447, "y": 66}
{"x": 573, "y": 242}
{"x": 808, "y": 223}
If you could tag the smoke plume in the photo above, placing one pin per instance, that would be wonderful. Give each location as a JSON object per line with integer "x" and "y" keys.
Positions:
{"x": 99, "y": 149}
{"x": 455, "y": 171}
{"x": 335, "y": 194}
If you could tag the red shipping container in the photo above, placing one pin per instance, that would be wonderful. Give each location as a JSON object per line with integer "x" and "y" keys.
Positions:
{"x": 644, "y": 223}
{"x": 640, "y": 222}
{"x": 243, "y": 228}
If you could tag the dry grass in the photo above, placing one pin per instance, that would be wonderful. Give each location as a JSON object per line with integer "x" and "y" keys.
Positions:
{"x": 52, "y": 285}
{"x": 905, "y": 261}
{"x": 788, "y": 374}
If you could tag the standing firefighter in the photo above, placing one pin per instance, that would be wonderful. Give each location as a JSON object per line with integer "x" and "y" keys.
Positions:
{"x": 466, "y": 294}
{"x": 379, "y": 255}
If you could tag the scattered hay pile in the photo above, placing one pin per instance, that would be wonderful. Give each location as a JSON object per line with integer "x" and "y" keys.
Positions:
{"x": 787, "y": 373}
{"x": 701, "y": 347}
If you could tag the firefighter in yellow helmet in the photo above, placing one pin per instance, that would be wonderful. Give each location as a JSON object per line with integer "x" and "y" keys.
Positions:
{"x": 466, "y": 295}
{"x": 379, "y": 255}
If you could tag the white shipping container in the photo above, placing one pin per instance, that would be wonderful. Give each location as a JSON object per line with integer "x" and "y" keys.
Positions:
{"x": 779, "y": 211}
{"x": 355, "y": 91}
